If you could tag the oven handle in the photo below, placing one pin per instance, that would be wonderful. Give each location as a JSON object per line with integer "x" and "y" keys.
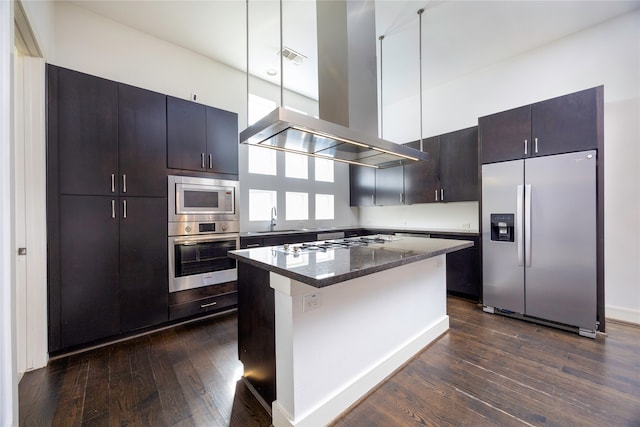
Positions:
{"x": 208, "y": 238}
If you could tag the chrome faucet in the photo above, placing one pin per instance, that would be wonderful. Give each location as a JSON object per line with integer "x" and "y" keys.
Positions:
{"x": 274, "y": 217}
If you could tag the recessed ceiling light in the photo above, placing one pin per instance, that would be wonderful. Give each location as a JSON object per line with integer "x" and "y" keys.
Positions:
{"x": 272, "y": 71}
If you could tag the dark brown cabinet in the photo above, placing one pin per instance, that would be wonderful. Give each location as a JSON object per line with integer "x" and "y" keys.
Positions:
{"x": 421, "y": 179}
{"x": 113, "y": 266}
{"x": 106, "y": 185}
{"x": 451, "y": 172}
{"x": 560, "y": 125}
{"x": 201, "y": 138}
{"x": 463, "y": 268}
{"x": 84, "y": 113}
{"x": 88, "y": 299}
{"x": 459, "y": 165}
{"x": 362, "y": 186}
{"x": 389, "y": 186}
{"x": 375, "y": 187}
{"x": 143, "y": 265}
{"x": 142, "y": 142}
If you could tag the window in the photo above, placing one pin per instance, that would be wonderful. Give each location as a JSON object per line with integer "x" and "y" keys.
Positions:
{"x": 259, "y": 107}
{"x": 260, "y": 204}
{"x": 297, "y": 206}
{"x": 324, "y": 170}
{"x": 296, "y": 165}
{"x": 262, "y": 160}
{"x": 324, "y": 206}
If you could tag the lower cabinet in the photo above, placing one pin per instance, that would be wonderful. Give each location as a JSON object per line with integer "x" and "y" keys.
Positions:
{"x": 463, "y": 268}
{"x": 112, "y": 268}
{"x": 199, "y": 301}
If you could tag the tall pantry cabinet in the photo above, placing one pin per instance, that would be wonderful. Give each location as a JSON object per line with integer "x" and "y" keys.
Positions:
{"x": 106, "y": 208}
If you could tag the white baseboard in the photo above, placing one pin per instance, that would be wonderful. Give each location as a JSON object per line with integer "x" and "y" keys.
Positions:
{"x": 327, "y": 411}
{"x": 622, "y": 314}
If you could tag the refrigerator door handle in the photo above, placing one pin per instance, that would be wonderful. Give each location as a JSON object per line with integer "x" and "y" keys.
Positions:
{"x": 519, "y": 235}
{"x": 527, "y": 223}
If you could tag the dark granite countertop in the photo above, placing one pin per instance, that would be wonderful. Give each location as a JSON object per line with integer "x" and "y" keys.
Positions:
{"x": 324, "y": 268}
{"x": 375, "y": 229}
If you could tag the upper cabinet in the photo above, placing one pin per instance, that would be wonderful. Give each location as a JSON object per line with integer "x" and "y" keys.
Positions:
{"x": 421, "y": 179}
{"x": 459, "y": 165}
{"x": 111, "y": 137}
{"x": 560, "y": 125}
{"x": 142, "y": 135}
{"x": 389, "y": 186}
{"x": 450, "y": 174}
{"x": 201, "y": 138}
{"x": 362, "y": 186}
{"x": 83, "y": 117}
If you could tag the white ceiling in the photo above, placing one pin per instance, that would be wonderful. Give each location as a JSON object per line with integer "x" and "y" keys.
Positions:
{"x": 459, "y": 37}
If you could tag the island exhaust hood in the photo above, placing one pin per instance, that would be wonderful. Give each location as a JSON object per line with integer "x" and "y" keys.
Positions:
{"x": 347, "y": 85}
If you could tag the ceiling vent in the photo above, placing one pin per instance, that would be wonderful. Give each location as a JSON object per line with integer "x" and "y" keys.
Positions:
{"x": 291, "y": 55}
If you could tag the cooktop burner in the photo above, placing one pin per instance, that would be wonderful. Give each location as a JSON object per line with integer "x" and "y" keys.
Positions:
{"x": 323, "y": 246}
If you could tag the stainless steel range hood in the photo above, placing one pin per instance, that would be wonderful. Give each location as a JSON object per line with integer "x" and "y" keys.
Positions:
{"x": 287, "y": 130}
{"x": 348, "y": 127}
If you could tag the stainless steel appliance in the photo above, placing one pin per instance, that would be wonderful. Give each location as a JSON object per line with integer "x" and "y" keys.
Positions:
{"x": 539, "y": 235}
{"x": 203, "y": 226}
{"x": 202, "y": 199}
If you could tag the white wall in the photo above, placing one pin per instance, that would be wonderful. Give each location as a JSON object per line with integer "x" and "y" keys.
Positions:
{"x": 609, "y": 55}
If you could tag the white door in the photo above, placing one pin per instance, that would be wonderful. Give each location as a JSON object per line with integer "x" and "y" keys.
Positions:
{"x": 30, "y": 213}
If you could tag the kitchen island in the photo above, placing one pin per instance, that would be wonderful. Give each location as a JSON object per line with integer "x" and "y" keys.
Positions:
{"x": 320, "y": 326}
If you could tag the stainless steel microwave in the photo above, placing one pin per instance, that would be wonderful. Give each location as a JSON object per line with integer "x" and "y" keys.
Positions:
{"x": 202, "y": 199}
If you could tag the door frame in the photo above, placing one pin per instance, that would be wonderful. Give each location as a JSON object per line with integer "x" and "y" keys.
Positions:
{"x": 8, "y": 367}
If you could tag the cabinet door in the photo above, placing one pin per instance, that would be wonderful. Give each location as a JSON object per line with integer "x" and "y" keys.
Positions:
{"x": 222, "y": 141}
{"x": 144, "y": 289}
{"x": 463, "y": 268}
{"x": 87, "y": 108}
{"x": 459, "y": 165}
{"x": 506, "y": 135}
{"x": 566, "y": 124}
{"x": 142, "y": 142}
{"x": 390, "y": 186}
{"x": 421, "y": 179}
{"x": 362, "y": 186}
{"x": 186, "y": 134}
{"x": 88, "y": 269}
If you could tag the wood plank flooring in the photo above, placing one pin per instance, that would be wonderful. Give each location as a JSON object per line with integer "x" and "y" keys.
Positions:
{"x": 487, "y": 370}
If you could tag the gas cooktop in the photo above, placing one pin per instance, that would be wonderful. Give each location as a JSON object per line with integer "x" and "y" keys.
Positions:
{"x": 323, "y": 246}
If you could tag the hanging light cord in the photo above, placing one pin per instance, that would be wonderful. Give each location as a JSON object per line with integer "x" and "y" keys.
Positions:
{"x": 420, "y": 67}
{"x": 247, "y": 24}
{"x": 281, "y": 61}
{"x": 381, "y": 103}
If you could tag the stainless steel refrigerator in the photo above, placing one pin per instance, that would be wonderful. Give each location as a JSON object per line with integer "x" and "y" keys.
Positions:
{"x": 539, "y": 235}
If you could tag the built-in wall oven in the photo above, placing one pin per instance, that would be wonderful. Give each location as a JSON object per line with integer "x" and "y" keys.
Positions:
{"x": 203, "y": 226}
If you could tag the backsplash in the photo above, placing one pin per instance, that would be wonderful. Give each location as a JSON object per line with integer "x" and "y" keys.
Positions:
{"x": 437, "y": 216}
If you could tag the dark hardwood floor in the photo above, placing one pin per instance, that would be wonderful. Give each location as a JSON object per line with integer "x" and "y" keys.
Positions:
{"x": 487, "y": 370}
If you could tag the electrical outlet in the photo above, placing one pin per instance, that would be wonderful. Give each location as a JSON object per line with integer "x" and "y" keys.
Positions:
{"x": 311, "y": 302}
{"x": 466, "y": 225}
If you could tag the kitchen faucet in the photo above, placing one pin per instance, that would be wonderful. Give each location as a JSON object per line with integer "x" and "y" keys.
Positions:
{"x": 274, "y": 216}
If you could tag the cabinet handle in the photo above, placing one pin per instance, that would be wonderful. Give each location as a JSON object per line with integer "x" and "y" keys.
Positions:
{"x": 526, "y": 146}
{"x": 211, "y": 304}
{"x": 535, "y": 142}
{"x": 442, "y": 194}
{"x": 373, "y": 199}
{"x": 113, "y": 208}
{"x": 400, "y": 197}
{"x": 124, "y": 208}
{"x": 210, "y": 161}
{"x": 436, "y": 191}
{"x": 113, "y": 182}
{"x": 202, "y": 159}
{"x": 253, "y": 245}
{"x": 124, "y": 183}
